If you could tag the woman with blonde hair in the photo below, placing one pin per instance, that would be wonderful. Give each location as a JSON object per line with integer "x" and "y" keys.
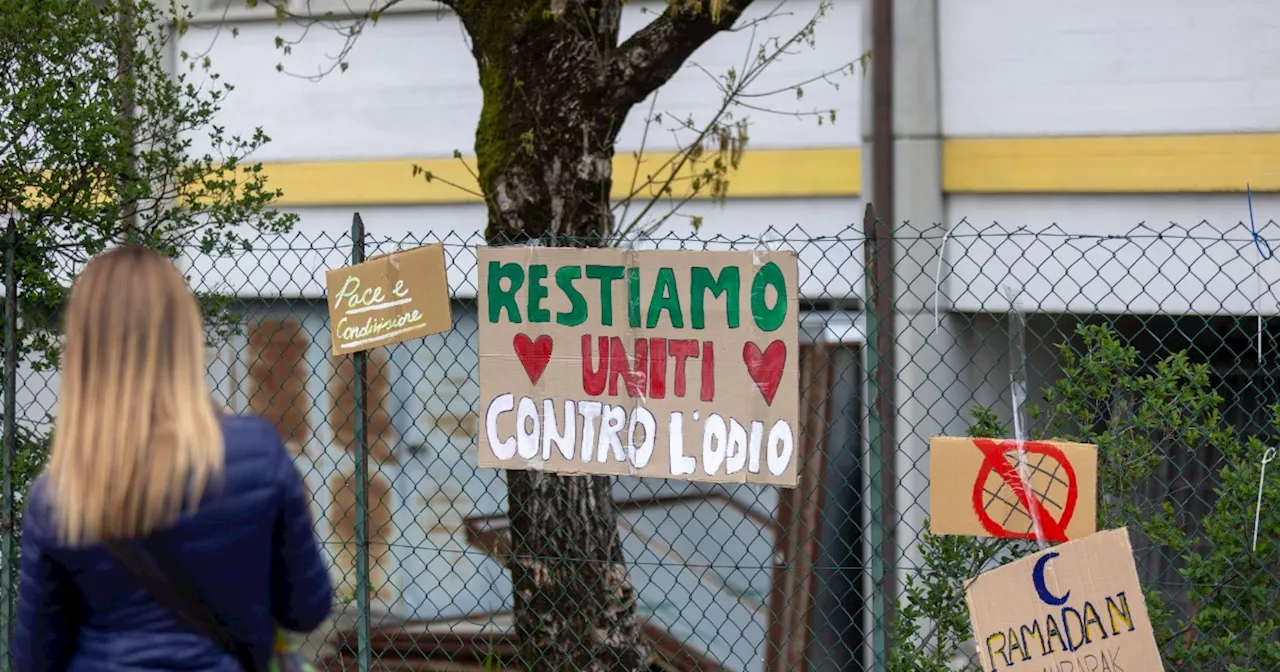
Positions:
{"x": 161, "y": 535}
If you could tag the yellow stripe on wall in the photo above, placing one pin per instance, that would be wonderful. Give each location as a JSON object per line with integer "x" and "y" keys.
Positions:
{"x": 1136, "y": 164}
{"x": 1120, "y": 164}
{"x": 761, "y": 174}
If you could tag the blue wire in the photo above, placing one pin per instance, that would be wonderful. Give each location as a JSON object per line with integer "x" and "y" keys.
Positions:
{"x": 1258, "y": 241}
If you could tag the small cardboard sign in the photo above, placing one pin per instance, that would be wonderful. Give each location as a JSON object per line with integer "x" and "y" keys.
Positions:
{"x": 977, "y": 489}
{"x": 388, "y": 299}
{"x": 1077, "y": 607}
{"x": 653, "y": 363}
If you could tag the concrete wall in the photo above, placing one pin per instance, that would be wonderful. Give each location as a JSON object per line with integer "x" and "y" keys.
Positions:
{"x": 350, "y": 140}
{"x": 1094, "y": 67}
{"x": 1097, "y": 117}
{"x": 412, "y": 90}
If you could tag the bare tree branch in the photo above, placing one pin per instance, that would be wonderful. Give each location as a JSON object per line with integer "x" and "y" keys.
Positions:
{"x": 653, "y": 55}
{"x": 358, "y": 19}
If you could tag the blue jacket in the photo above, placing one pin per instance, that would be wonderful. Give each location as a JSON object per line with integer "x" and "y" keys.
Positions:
{"x": 249, "y": 549}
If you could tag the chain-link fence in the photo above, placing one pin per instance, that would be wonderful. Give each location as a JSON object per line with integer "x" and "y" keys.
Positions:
{"x": 1158, "y": 345}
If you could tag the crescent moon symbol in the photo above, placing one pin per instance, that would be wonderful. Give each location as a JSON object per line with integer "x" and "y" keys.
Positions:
{"x": 1037, "y": 577}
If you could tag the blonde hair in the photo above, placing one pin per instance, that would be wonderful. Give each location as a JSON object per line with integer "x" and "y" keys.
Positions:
{"x": 136, "y": 439}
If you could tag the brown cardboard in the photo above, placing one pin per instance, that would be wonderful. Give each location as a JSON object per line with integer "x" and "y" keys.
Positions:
{"x": 975, "y": 488}
{"x": 1076, "y": 607}
{"x": 680, "y": 368}
{"x": 388, "y": 299}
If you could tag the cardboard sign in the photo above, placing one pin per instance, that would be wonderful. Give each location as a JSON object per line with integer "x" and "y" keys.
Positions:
{"x": 977, "y": 489}
{"x": 665, "y": 364}
{"x": 388, "y": 299}
{"x": 1077, "y": 607}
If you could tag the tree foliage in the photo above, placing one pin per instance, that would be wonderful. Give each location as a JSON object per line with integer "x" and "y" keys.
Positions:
{"x": 1138, "y": 420}
{"x": 97, "y": 137}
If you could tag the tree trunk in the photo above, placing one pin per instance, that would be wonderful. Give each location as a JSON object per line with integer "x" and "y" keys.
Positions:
{"x": 557, "y": 87}
{"x": 544, "y": 149}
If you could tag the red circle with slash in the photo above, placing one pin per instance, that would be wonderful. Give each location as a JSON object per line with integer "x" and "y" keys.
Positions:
{"x": 994, "y": 453}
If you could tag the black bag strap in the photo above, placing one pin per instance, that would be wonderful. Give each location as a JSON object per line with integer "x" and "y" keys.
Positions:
{"x": 166, "y": 584}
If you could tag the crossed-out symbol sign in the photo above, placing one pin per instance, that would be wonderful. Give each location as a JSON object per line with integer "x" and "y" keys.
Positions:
{"x": 1013, "y": 496}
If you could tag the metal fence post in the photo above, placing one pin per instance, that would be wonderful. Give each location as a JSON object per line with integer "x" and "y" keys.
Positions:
{"x": 879, "y": 456}
{"x": 360, "y": 393}
{"x": 8, "y": 550}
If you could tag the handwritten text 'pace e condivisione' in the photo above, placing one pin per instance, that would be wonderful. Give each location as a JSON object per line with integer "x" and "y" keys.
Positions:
{"x": 376, "y": 328}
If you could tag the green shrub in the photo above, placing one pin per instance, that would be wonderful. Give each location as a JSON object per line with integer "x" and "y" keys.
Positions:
{"x": 1137, "y": 421}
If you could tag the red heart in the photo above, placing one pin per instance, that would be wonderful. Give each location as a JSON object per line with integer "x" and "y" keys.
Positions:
{"x": 765, "y": 367}
{"x": 534, "y": 355}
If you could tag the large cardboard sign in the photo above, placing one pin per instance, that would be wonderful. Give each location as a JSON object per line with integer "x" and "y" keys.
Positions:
{"x": 977, "y": 488}
{"x": 653, "y": 363}
{"x": 1077, "y": 607}
{"x": 388, "y": 299}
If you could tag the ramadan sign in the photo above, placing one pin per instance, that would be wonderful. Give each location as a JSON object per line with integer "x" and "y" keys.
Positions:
{"x": 1076, "y": 607}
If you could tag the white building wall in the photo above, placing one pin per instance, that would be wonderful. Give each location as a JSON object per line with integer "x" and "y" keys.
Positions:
{"x": 1035, "y": 68}
{"x": 412, "y": 90}
{"x": 1099, "y": 67}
